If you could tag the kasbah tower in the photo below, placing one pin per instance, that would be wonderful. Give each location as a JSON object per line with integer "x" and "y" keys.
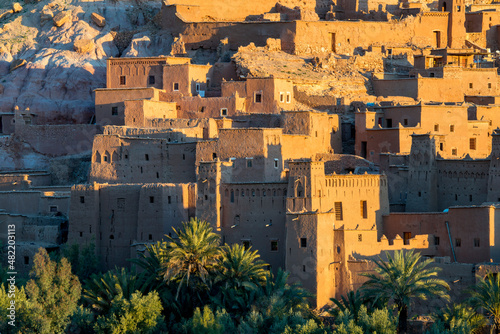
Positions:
{"x": 323, "y": 134}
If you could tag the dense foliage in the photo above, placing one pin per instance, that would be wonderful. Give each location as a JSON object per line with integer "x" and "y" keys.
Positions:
{"x": 189, "y": 283}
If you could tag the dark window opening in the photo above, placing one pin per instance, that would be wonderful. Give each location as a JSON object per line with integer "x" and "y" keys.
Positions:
{"x": 458, "y": 242}
{"x": 303, "y": 242}
{"x": 114, "y": 111}
{"x": 274, "y": 245}
{"x": 476, "y": 242}
{"x": 176, "y": 86}
{"x": 146, "y": 156}
{"x": 82, "y": 199}
{"x": 246, "y": 244}
{"x": 436, "y": 241}
{"x": 169, "y": 199}
{"x": 151, "y": 79}
{"x": 151, "y": 199}
{"x": 150, "y": 237}
{"x": 123, "y": 80}
{"x": 26, "y": 260}
{"x": 406, "y": 238}
{"x": 258, "y": 98}
{"x": 364, "y": 209}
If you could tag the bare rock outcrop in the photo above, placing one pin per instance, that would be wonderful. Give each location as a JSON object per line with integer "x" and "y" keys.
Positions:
{"x": 16, "y": 7}
{"x": 61, "y": 18}
{"x": 99, "y": 20}
{"x": 84, "y": 45}
{"x": 14, "y": 65}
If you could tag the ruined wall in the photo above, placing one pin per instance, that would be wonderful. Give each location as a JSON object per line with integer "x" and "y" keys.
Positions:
{"x": 30, "y": 202}
{"x": 23, "y": 180}
{"x": 239, "y": 10}
{"x": 57, "y": 140}
{"x": 211, "y": 107}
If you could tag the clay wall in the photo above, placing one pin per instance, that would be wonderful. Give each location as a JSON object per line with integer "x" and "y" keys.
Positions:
{"x": 7, "y": 124}
{"x": 344, "y": 36}
{"x": 57, "y": 140}
{"x": 31, "y": 234}
{"x": 106, "y": 99}
{"x": 186, "y": 79}
{"x": 141, "y": 160}
{"x": 34, "y": 202}
{"x": 310, "y": 239}
{"x": 137, "y": 112}
{"x": 211, "y": 107}
{"x": 239, "y": 10}
{"x": 123, "y": 218}
{"x": 208, "y": 35}
{"x": 469, "y": 228}
{"x": 257, "y": 212}
{"x": 137, "y": 72}
{"x": 23, "y": 180}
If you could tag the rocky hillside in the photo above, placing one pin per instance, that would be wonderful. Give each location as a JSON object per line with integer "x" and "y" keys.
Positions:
{"x": 52, "y": 53}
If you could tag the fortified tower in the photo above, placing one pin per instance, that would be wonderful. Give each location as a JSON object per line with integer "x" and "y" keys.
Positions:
{"x": 422, "y": 182}
{"x": 456, "y": 21}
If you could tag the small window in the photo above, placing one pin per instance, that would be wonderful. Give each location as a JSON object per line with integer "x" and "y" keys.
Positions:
{"x": 214, "y": 156}
{"x": 476, "y": 242}
{"x": 176, "y": 86}
{"x": 452, "y": 128}
{"x": 288, "y": 97}
{"x": 232, "y": 196}
{"x": 151, "y": 199}
{"x": 198, "y": 87}
{"x": 258, "y": 98}
{"x": 470, "y": 198}
{"x": 282, "y": 97}
{"x": 146, "y": 157}
{"x": 276, "y": 163}
{"x": 419, "y": 194}
{"x": 436, "y": 241}
{"x": 53, "y": 208}
{"x": 223, "y": 111}
{"x": 151, "y": 80}
{"x": 405, "y": 121}
{"x": 453, "y": 151}
{"x": 441, "y": 146}
{"x": 364, "y": 209}
{"x": 360, "y": 237}
{"x": 338, "y": 211}
{"x": 26, "y": 260}
{"x": 81, "y": 234}
{"x": 303, "y": 242}
{"x": 169, "y": 199}
{"x": 246, "y": 244}
{"x": 459, "y": 8}
{"x": 456, "y": 197}
{"x": 150, "y": 237}
{"x": 82, "y": 199}
{"x": 249, "y": 162}
{"x": 183, "y": 157}
{"x": 470, "y": 85}
{"x": 472, "y": 143}
{"x": 458, "y": 242}
{"x": 436, "y": 127}
{"x": 114, "y": 111}
{"x": 123, "y": 80}
{"x": 201, "y": 109}
{"x": 489, "y": 85}
{"x": 274, "y": 245}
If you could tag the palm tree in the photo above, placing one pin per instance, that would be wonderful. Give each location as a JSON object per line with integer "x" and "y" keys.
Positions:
{"x": 459, "y": 318}
{"x": 402, "y": 278}
{"x": 151, "y": 261}
{"x": 192, "y": 256}
{"x": 241, "y": 272}
{"x": 352, "y": 302}
{"x": 486, "y": 295}
{"x": 101, "y": 289}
